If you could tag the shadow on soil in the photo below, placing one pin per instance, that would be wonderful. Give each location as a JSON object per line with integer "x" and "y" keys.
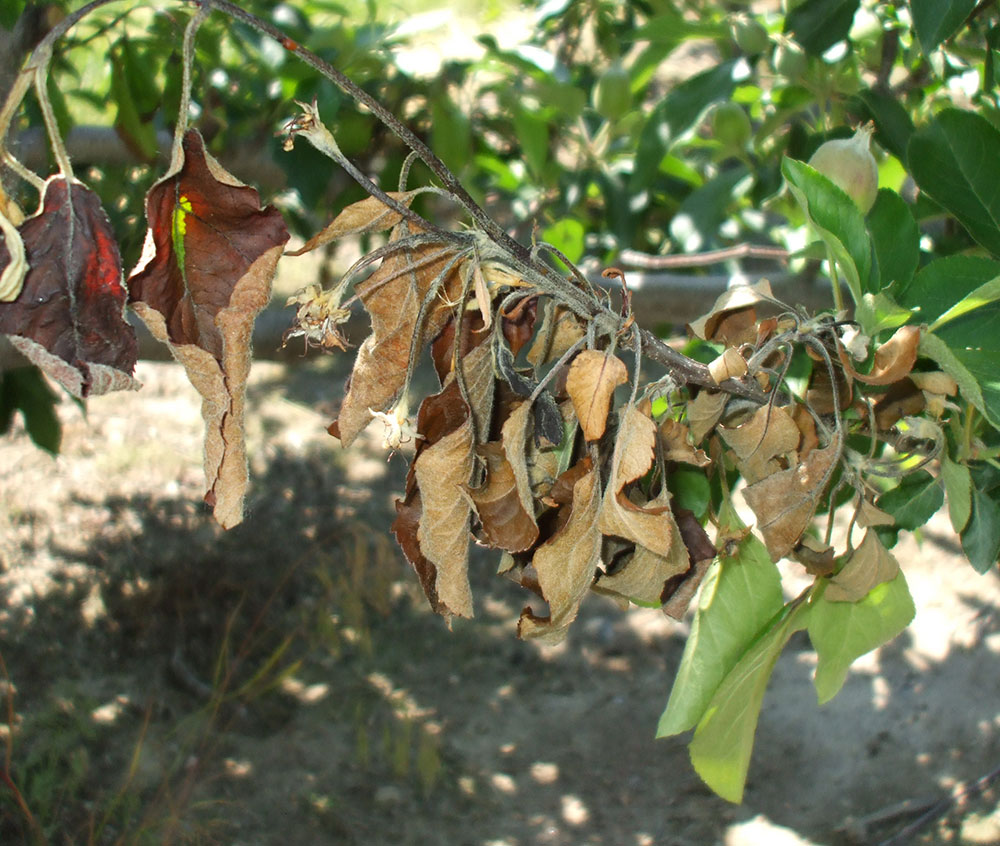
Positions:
{"x": 283, "y": 683}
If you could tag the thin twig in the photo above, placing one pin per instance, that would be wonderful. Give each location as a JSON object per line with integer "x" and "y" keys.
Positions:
{"x": 633, "y": 258}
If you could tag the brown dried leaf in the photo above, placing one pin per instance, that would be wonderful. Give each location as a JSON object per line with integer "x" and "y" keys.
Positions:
{"x": 443, "y": 471}
{"x": 737, "y": 298}
{"x": 893, "y": 360}
{"x": 645, "y": 575}
{"x": 785, "y": 502}
{"x": 869, "y": 565}
{"x": 678, "y": 446}
{"x": 393, "y": 296}
{"x": 815, "y": 556}
{"x": 593, "y": 377}
{"x": 770, "y": 433}
{"x": 634, "y": 447}
{"x": 566, "y": 565}
{"x": 559, "y": 331}
{"x": 367, "y": 215}
{"x": 519, "y": 323}
{"x": 903, "y": 399}
{"x": 871, "y": 515}
{"x": 729, "y": 365}
{"x": 505, "y": 521}
{"x": 703, "y": 412}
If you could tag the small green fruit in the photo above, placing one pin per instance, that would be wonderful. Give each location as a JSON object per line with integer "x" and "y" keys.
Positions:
{"x": 789, "y": 60}
{"x": 849, "y": 164}
{"x": 749, "y": 34}
{"x": 612, "y": 94}
{"x": 731, "y": 126}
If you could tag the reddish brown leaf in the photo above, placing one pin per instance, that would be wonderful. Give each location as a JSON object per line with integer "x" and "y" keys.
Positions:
{"x": 519, "y": 323}
{"x": 206, "y": 271}
{"x": 506, "y": 523}
{"x": 69, "y": 316}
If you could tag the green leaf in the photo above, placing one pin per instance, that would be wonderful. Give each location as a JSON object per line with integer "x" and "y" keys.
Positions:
{"x": 738, "y": 597}
{"x": 533, "y": 132}
{"x": 954, "y": 161}
{"x": 451, "y": 136}
{"x": 138, "y": 134}
{"x": 913, "y": 502}
{"x": 836, "y": 220}
{"x": 841, "y": 632}
{"x": 982, "y": 296}
{"x": 931, "y": 346}
{"x": 893, "y": 125}
{"x": 25, "y": 389}
{"x": 722, "y": 744}
{"x": 958, "y": 486}
{"x": 10, "y": 11}
{"x": 698, "y": 218}
{"x": 567, "y": 236}
{"x": 981, "y": 537}
{"x": 690, "y": 489}
{"x": 819, "y": 24}
{"x": 974, "y": 340}
{"x": 936, "y": 20}
{"x": 878, "y": 312}
{"x": 895, "y": 239}
{"x": 938, "y": 286}
{"x": 676, "y": 114}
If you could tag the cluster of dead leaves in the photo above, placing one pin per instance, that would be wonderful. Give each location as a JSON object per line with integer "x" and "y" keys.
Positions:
{"x": 206, "y": 271}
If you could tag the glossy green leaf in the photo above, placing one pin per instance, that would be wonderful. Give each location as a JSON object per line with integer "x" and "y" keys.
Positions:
{"x": 952, "y": 362}
{"x": 533, "y": 132}
{"x": 974, "y": 340}
{"x": 819, "y": 24}
{"x": 954, "y": 160}
{"x": 942, "y": 283}
{"x": 677, "y": 113}
{"x": 836, "y": 220}
{"x": 913, "y": 502}
{"x": 982, "y": 296}
{"x": 24, "y": 389}
{"x": 723, "y": 741}
{"x": 138, "y": 134}
{"x": 451, "y": 136}
{"x": 958, "y": 486}
{"x": 893, "y": 125}
{"x": 981, "y": 537}
{"x": 738, "y": 597}
{"x": 841, "y": 632}
{"x": 690, "y": 489}
{"x": 936, "y": 20}
{"x": 879, "y": 312}
{"x": 895, "y": 239}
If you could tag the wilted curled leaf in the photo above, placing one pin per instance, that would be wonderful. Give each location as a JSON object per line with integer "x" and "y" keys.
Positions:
{"x": 729, "y": 365}
{"x": 644, "y": 576}
{"x": 869, "y": 565}
{"x": 769, "y": 434}
{"x": 393, "y": 296}
{"x": 505, "y": 521}
{"x": 206, "y": 269}
{"x": 678, "y": 446}
{"x": 69, "y": 315}
{"x": 703, "y": 412}
{"x": 367, "y": 215}
{"x": 566, "y": 565}
{"x": 735, "y": 299}
{"x": 893, "y": 360}
{"x": 593, "y": 377}
{"x": 559, "y": 331}
{"x": 785, "y": 502}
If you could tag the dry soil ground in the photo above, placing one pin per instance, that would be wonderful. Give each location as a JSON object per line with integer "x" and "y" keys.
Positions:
{"x": 283, "y": 683}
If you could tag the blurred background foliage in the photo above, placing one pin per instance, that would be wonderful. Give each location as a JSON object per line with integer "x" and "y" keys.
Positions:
{"x": 600, "y": 126}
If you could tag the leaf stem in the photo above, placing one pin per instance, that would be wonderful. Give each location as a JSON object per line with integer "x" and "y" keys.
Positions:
{"x": 838, "y": 297}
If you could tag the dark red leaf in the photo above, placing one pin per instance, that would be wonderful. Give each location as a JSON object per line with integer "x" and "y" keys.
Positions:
{"x": 69, "y": 317}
